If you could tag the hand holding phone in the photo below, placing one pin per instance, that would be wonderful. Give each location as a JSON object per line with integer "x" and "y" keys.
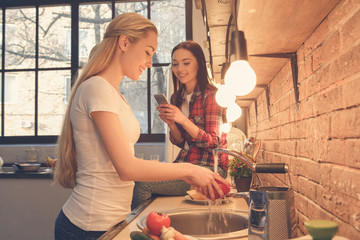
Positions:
{"x": 161, "y": 99}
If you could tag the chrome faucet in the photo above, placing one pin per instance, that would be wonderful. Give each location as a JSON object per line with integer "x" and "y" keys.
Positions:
{"x": 242, "y": 159}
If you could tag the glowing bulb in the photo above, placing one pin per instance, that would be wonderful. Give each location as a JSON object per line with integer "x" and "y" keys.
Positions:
{"x": 233, "y": 112}
{"x": 225, "y": 127}
{"x": 224, "y": 96}
{"x": 240, "y": 77}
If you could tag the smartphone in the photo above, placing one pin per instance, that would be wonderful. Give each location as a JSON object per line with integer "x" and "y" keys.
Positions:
{"x": 161, "y": 99}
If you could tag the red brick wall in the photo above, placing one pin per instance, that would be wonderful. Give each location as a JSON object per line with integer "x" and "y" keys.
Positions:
{"x": 321, "y": 141}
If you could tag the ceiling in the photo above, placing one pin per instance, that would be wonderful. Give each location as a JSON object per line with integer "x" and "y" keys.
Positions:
{"x": 276, "y": 26}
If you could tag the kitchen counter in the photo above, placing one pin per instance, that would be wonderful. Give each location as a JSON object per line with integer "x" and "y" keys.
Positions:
{"x": 7, "y": 171}
{"x": 161, "y": 204}
{"x": 171, "y": 203}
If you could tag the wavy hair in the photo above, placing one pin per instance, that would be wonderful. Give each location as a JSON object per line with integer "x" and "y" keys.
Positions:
{"x": 135, "y": 27}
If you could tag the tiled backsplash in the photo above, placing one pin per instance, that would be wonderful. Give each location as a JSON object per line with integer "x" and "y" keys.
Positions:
{"x": 19, "y": 153}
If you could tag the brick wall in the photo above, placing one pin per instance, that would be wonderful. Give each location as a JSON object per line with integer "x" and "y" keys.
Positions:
{"x": 321, "y": 141}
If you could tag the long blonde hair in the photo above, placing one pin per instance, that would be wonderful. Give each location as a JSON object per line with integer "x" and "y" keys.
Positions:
{"x": 135, "y": 27}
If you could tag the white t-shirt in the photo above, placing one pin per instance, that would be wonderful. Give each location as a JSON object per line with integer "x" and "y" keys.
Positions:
{"x": 100, "y": 199}
{"x": 185, "y": 106}
{"x": 185, "y": 109}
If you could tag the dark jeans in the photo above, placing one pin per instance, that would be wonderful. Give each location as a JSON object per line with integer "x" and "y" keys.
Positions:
{"x": 66, "y": 230}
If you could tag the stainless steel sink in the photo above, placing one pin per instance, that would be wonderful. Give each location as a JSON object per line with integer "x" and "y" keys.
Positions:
{"x": 206, "y": 225}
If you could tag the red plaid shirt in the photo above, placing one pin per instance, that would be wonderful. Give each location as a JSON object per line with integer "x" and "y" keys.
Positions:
{"x": 205, "y": 113}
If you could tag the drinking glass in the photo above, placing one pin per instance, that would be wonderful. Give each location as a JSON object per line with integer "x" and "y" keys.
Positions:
{"x": 139, "y": 155}
{"x": 154, "y": 157}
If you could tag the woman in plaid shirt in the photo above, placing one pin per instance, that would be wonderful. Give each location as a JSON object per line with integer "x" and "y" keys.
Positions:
{"x": 194, "y": 119}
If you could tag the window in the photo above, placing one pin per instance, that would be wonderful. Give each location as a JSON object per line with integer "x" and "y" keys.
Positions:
{"x": 38, "y": 61}
{"x": 10, "y": 93}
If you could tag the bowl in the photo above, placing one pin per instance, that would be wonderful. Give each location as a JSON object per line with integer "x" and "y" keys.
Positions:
{"x": 321, "y": 229}
{"x": 26, "y": 167}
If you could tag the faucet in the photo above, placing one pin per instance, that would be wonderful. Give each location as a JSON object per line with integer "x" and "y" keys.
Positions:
{"x": 239, "y": 156}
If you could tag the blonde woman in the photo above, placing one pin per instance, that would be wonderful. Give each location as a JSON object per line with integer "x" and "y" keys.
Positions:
{"x": 96, "y": 145}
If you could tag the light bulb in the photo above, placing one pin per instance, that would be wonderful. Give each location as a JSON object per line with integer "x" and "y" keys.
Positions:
{"x": 240, "y": 77}
{"x": 233, "y": 112}
{"x": 224, "y": 96}
{"x": 225, "y": 127}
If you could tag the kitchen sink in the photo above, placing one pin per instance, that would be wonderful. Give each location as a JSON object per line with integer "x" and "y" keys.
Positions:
{"x": 208, "y": 224}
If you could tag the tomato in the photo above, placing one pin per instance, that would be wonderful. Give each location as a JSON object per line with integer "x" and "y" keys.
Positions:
{"x": 155, "y": 221}
{"x": 225, "y": 188}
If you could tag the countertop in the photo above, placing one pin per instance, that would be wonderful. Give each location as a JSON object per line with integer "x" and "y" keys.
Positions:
{"x": 178, "y": 202}
{"x": 161, "y": 204}
{"x": 7, "y": 171}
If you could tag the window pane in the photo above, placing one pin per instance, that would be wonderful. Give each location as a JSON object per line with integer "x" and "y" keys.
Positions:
{"x": 54, "y": 51}
{"x": 20, "y": 110}
{"x": 54, "y": 88}
{"x": 93, "y": 21}
{"x": 11, "y": 86}
{"x": 20, "y": 38}
{"x": 54, "y": 42}
{"x": 135, "y": 93}
{"x": 139, "y": 7}
{"x": 159, "y": 84}
{"x": 169, "y": 18}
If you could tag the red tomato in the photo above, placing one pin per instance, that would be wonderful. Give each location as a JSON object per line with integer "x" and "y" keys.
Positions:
{"x": 155, "y": 221}
{"x": 225, "y": 188}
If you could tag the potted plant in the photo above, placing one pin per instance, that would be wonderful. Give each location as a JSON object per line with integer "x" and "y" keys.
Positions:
{"x": 241, "y": 173}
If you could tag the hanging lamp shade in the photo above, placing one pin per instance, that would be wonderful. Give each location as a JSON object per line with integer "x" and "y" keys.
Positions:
{"x": 240, "y": 77}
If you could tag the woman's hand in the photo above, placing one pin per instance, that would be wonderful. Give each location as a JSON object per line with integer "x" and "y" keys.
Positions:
{"x": 161, "y": 108}
{"x": 170, "y": 114}
{"x": 204, "y": 181}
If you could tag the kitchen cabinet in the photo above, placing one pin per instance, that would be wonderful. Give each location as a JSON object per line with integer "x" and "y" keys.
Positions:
{"x": 29, "y": 207}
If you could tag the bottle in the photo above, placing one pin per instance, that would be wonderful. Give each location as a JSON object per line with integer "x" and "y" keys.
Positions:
{"x": 32, "y": 154}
